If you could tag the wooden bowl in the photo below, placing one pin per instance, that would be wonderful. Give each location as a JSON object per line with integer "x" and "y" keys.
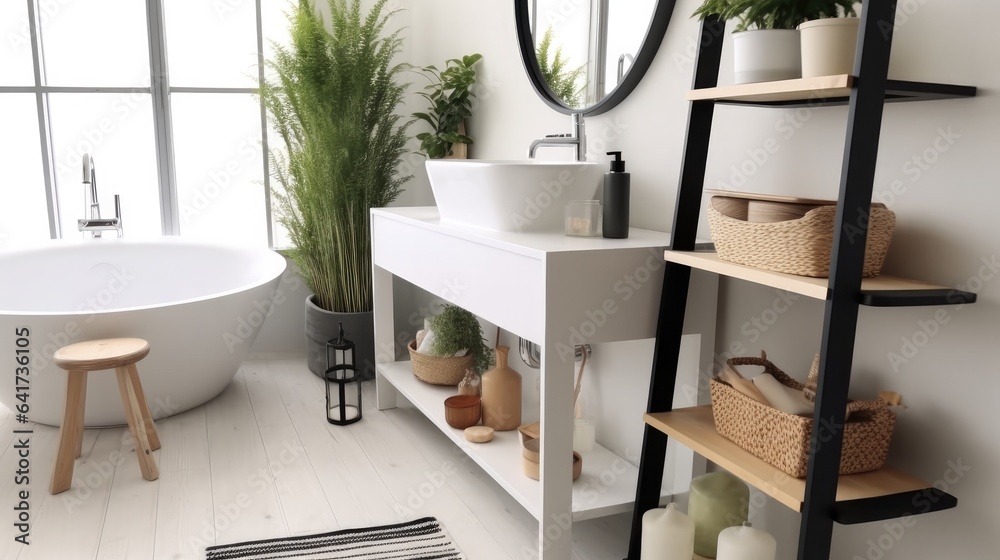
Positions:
{"x": 530, "y": 459}
{"x": 462, "y": 411}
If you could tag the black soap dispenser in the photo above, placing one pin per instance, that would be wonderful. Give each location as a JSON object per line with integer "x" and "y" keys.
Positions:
{"x": 616, "y": 199}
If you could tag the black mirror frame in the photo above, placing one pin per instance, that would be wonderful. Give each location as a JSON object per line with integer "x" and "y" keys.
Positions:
{"x": 650, "y": 45}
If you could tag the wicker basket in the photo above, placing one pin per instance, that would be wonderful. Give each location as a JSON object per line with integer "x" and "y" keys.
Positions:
{"x": 801, "y": 246}
{"x": 436, "y": 370}
{"x": 782, "y": 440}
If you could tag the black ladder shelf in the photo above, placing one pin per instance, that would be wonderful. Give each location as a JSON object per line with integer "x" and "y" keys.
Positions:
{"x": 824, "y": 497}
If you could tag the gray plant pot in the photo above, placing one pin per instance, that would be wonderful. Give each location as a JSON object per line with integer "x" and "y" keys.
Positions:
{"x": 323, "y": 325}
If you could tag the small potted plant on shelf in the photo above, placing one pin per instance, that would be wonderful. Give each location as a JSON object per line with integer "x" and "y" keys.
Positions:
{"x": 829, "y": 38}
{"x": 450, "y": 95}
{"x": 766, "y": 43}
{"x": 453, "y": 343}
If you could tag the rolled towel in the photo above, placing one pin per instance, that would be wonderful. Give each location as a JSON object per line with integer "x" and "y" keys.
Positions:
{"x": 782, "y": 397}
{"x": 741, "y": 384}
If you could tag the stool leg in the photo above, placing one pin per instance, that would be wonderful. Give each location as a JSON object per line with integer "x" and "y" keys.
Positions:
{"x": 140, "y": 396}
{"x": 131, "y": 405}
{"x": 81, "y": 408}
{"x": 70, "y": 433}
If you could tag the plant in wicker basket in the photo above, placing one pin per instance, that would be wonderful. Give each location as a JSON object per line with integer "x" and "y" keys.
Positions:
{"x": 456, "y": 329}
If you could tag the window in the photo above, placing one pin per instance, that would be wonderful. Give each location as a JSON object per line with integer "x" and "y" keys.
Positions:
{"x": 159, "y": 93}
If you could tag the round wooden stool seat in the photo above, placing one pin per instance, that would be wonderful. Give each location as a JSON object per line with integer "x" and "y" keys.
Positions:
{"x": 121, "y": 355}
{"x": 93, "y": 355}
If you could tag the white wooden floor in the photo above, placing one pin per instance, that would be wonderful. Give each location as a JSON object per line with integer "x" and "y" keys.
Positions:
{"x": 260, "y": 461}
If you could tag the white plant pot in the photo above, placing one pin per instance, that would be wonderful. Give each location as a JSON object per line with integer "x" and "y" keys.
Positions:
{"x": 765, "y": 55}
{"x": 828, "y": 46}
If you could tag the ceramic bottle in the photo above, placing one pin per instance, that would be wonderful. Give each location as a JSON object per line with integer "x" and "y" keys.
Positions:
{"x": 501, "y": 389}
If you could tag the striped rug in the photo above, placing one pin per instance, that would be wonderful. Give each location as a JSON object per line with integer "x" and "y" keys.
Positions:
{"x": 423, "y": 539}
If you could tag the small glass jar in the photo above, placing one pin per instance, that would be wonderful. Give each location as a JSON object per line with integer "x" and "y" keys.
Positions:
{"x": 583, "y": 218}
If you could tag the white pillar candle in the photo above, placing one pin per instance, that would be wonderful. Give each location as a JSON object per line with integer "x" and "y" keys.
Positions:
{"x": 746, "y": 543}
{"x": 667, "y": 534}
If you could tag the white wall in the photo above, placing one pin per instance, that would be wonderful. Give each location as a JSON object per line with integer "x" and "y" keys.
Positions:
{"x": 946, "y": 227}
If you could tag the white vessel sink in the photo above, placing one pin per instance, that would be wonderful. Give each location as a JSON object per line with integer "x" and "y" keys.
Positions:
{"x": 517, "y": 196}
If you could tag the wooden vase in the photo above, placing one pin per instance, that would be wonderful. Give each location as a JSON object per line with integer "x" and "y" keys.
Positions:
{"x": 502, "y": 394}
{"x": 459, "y": 151}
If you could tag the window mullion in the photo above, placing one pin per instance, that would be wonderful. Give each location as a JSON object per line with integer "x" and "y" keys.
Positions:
{"x": 44, "y": 122}
{"x": 263, "y": 128}
{"x": 162, "y": 121}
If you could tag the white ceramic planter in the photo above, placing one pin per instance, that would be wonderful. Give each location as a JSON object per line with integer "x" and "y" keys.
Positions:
{"x": 764, "y": 55}
{"x": 828, "y": 46}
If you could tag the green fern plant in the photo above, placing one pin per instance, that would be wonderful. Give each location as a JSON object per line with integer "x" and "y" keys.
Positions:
{"x": 332, "y": 101}
{"x": 563, "y": 81}
{"x": 774, "y": 14}
{"x": 456, "y": 329}
{"x": 450, "y": 96}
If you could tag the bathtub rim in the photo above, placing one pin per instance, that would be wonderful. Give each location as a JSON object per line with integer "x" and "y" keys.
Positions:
{"x": 277, "y": 267}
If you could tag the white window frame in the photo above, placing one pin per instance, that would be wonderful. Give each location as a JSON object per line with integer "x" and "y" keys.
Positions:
{"x": 160, "y": 91}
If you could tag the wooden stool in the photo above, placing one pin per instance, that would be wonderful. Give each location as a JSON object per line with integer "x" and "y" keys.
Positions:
{"x": 80, "y": 358}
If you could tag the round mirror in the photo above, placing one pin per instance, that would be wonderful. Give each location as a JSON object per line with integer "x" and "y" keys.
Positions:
{"x": 586, "y": 56}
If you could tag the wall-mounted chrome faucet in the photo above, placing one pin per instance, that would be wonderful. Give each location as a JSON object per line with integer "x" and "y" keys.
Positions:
{"x": 577, "y": 139}
{"x": 95, "y": 224}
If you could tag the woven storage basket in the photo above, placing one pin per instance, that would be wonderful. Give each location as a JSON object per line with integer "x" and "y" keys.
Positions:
{"x": 437, "y": 370}
{"x": 801, "y": 246}
{"x": 782, "y": 440}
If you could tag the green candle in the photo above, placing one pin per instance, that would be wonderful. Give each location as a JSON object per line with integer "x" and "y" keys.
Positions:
{"x": 718, "y": 500}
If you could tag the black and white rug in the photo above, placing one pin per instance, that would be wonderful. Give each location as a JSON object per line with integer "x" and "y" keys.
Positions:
{"x": 423, "y": 539}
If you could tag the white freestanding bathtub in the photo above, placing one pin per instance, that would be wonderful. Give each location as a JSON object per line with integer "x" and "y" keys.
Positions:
{"x": 199, "y": 305}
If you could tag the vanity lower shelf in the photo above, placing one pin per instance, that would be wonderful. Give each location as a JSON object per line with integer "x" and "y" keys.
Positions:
{"x": 883, "y": 494}
{"x": 606, "y": 487}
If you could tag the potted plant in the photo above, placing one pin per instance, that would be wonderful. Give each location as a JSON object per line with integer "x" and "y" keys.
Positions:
{"x": 331, "y": 98}
{"x": 766, "y": 42}
{"x": 562, "y": 81}
{"x": 457, "y": 344}
{"x": 829, "y": 38}
{"x": 450, "y": 96}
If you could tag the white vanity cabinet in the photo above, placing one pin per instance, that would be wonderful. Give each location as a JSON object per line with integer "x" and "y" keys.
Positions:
{"x": 554, "y": 290}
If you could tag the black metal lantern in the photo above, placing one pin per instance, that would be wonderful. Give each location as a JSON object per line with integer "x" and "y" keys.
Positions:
{"x": 343, "y": 385}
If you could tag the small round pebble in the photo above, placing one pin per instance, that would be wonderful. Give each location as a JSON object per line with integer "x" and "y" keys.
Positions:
{"x": 479, "y": 434}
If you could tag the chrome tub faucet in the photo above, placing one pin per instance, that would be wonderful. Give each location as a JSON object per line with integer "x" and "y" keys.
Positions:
{"x": 95, "y": 224}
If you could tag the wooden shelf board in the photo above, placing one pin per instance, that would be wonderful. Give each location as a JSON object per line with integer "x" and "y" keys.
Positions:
{"x": 823, "y": 90}
{"x": 695, "y": 428}
{"x": 784, "y": 90}
{"x": 593, "y": 496}
{"x": 816, "y": 288}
